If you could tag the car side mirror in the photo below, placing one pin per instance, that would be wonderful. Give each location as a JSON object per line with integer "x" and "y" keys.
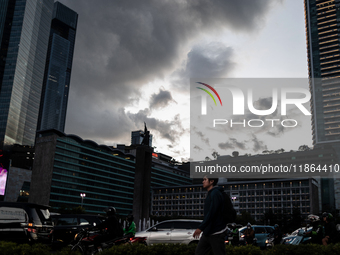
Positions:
{"x": 154, "y": 229}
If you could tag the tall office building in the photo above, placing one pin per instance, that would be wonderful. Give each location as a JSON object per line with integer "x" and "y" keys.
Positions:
{"x": 138, "y": 136}
{"x": 322, "y": 19}
{"x": 54, "y": 96}
{"x": 323, "y": 47}
{"x": 25, "y": 27}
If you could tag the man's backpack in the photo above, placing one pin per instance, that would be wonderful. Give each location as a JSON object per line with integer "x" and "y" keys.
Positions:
{"x": 229, "y": 213}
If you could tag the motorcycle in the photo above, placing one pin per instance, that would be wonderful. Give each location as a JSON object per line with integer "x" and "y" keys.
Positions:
{"x": 297, "y": 239}
{"x": 228, "y": 237}
{"x": 86, "y": 242}
{"x": 270, "y": 242}
{"x": 243, "y": 241}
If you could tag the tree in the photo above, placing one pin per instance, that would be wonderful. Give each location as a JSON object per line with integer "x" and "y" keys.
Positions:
{"x": 207, "y": 159}
{"x": 267, "y": 152}
{"x": 280, "y": 151}
{"x": 304, "y": 148}
{"x": 215, "y": 154}
{"x": 235, "y": 153}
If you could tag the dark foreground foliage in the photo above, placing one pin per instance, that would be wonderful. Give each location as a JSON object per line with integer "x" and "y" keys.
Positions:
{"x": 8, "y": 248}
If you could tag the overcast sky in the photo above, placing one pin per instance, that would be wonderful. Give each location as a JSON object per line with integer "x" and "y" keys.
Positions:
{"x": 133, "y": 61}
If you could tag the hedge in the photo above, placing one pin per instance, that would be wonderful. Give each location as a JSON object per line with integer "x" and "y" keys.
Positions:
{"x": 8, "y": 248}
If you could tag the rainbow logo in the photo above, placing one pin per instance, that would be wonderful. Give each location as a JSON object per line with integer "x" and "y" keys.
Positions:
{"x": 213, "y": 90}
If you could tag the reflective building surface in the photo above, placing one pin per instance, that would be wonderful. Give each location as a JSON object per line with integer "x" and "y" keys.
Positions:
{"x": 322, "y": 19}
{"x": 57, "y": 76}
{"x": 323, "y": 49}
{"x": 25, "y": 26}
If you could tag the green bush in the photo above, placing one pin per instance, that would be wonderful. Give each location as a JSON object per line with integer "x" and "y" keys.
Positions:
{"x": 310, "y": 249}
{"x": 8, "y": 248}
{"x": 174, "y": 249}
{"x": 159, "y": 249}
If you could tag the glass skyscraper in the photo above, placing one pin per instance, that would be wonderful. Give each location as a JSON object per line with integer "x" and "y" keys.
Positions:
{"x": 323, "y": 48}
{"x": 138, "y": 136}
{"x": 25, "y": 28}
{"x": 57, "y": 76}
{"x": 322, "y": 19}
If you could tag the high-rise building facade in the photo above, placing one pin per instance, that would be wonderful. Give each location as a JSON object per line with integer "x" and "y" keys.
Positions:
{"x": 322, "y": 19}
{"x": 256, "y": 197}
{"x": 54, "y": 96}
{"x": 323, "y": 49}
{"x": 66, "y": 165}
{"x": 138, "y": 136}
{"x": 25, "y": 26}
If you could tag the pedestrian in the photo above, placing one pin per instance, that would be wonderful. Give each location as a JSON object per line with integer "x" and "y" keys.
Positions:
{"x": 277, "y": 234}
{"x": 213, "y": 226}
{"x": 330, "y": 229}
{"x": 249, "y": 234}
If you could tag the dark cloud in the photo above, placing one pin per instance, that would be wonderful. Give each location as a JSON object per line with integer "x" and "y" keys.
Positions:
{"x": 239, "y": 145}
{"x": 176, "y": 152}
{"x": 264, "y": 104}
{"x": 122, "y": 45}
{"x": 233, "y": 144}
{"x": 209, "y": 60}
{"x": 258, "y": 145}
{"x": 226, "y": 146}
{"x": 117, "y": 125}
{"x": 171, "y": 130}
{"x": 160, "y": 100}
{"x": 201, "y": 135}
{"x": 197, "y": 148}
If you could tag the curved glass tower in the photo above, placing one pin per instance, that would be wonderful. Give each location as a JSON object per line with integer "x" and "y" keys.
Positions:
{"x": 57, "y": 76}
{"x": 25, "y": 28}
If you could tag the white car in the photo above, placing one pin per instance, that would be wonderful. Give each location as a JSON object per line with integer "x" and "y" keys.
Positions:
{"x": 171, "y": 231}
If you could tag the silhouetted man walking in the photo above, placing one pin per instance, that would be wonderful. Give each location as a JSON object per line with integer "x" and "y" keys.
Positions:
{"x": 212, "y": 226}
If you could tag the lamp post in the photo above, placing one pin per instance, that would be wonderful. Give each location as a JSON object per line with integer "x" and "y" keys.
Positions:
{"x": 82, "y": 195}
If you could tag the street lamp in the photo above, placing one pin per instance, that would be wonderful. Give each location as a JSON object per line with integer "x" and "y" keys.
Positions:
{"x": 82, "y": 198}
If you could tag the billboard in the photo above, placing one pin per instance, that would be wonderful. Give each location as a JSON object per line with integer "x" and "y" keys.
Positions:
{"x": 3, "y": 179}
{"x": 4, "y": 165}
